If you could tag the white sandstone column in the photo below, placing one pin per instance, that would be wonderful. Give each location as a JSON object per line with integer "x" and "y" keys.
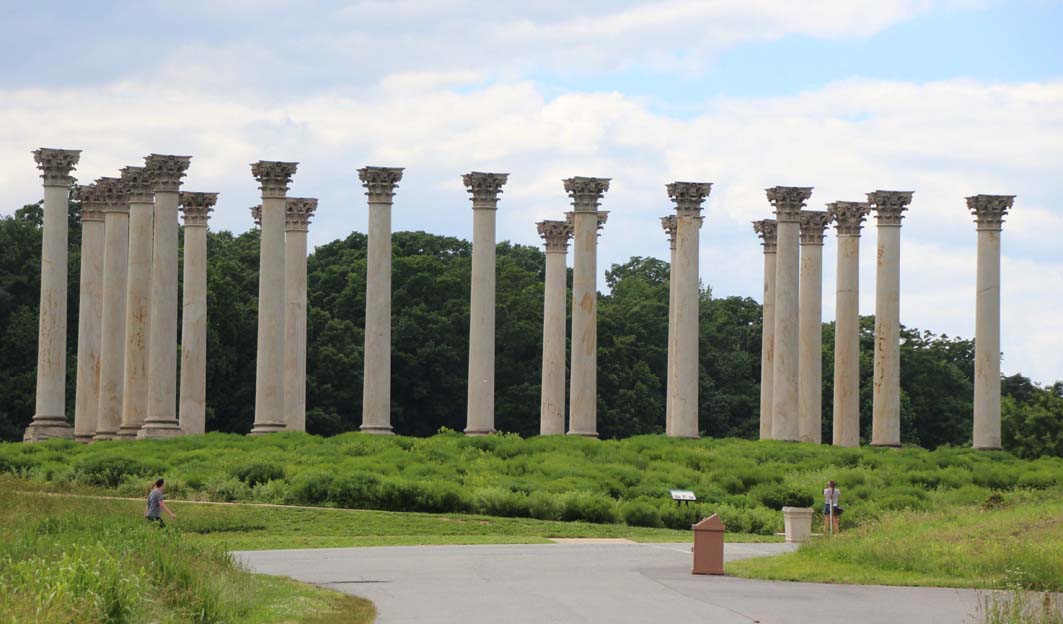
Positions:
{"x": 165, "y": 172}
{"x": 669, "y": 225}
{"x": 989, "y": 212}
{"x": 90, "y": 306}
{"x": 788, "y": 202}
{"x": 296, "y": 225}
{"x": 767, "y": 230}
{"x": 688, "y": 198}
{"x": 138, "y": 299}
{"x": 49, "y": 418}
{"x": 848, "y": 219}
{"x": 273, "y": 179}
{"x": 555, "y": 235}
{"x": 379, "y": 183}
{"x": 192, "y": 415}
{"x": 886, "y": 401}
{"x": 813, "y": 224}
{"x": 112, "y": 314}
{"x": 586, "y": 218}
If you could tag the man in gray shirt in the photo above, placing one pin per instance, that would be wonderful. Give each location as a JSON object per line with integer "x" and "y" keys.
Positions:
{"x": 157, "y": 503}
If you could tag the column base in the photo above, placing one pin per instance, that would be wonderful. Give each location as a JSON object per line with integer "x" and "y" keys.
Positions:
{"x": 684, "y": 436}
{"x": 987, "y": 448}
{"x": 479, "y": 432}
{"x": 129, "y": 432}
{"x": 266, "y": 427}
{"x": 46, "y": 428}
{"x": 83, "y": 438}
{"x": 159, "y": 430}
{"x": 885, "y": 445}
{"x": 376, "y": 429}
{"x": 103, "y": 436}
{"x": 584, "y": 434}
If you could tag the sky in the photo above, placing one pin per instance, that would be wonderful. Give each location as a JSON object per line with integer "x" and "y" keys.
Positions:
{"x": 946, "y": 98}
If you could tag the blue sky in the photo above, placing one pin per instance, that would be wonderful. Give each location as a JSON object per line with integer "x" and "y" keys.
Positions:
{"x": 948, "y": 98}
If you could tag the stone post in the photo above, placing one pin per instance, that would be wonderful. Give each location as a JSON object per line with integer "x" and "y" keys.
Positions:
{"x": 484, "y": 188}
{"x": 273, "y": 179}
{"x": 90, "y": 306}
{"x": 788, "y": 202}
{"x": 813, "y": 224}
{"x": 196, "y": 209}
{"x": 989, "y": 212}
{"x": 688, "y": 198}
{"x": 889, "y": 207}
{"x": 848, "y": 220}
{"x": 296, "y": 225}
{"x": 112, "y": 313}
{"x": 556, "y": 235}
{"x": 165, "y": 171}
{"x": 767, "y": 230}
{"x": 49, "y": 418}
{"x": 138, "y": 299}
{"x": 669, "y": 225}
{"x": 379, "y": 183}
{"x": 586, "y": 193}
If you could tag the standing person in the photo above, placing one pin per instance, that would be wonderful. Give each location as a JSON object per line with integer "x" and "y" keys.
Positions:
{"x": 830, "y": 504}
{"x": 157, "y": 502}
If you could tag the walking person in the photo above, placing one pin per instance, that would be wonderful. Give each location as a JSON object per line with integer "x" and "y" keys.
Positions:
{"x": 157, "y": 503}
{"x": 831, "y": 509}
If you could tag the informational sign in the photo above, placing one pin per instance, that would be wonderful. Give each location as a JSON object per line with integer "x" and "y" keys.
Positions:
{"x": 683, "y": 495}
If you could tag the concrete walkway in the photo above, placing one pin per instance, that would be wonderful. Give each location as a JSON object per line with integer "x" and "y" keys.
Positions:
{"x": 607, "y": 583}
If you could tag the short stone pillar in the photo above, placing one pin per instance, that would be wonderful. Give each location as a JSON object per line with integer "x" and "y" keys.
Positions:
{"x": 688, "y": 198}
{"x": 112, "y": 313}
{"x": 813, "y": 224}
{"x": 989, "y": 212}
{"x": 49, "y": 418}
{"x": 90, "y": 307}
{"x": 889, "y": 207}
{"x": 196, "y": 209}
{"x": 669, "y": 225}
{"x": 767, "y": 231}
{"x": 296, "y": 224}
{"x": 379, "y": 183}
{"x": 848, "y": 218}
{"x": 788, "y": 202}
{"x": 797, "y": 523}
{"x": 141, "y": 198}
{"x": 555, "y": 235}
{"x": 586, "y": 193}
{"x": 273, "y": 178}
{"x": 484, "y": 188}
{"x": 165, "y": 171}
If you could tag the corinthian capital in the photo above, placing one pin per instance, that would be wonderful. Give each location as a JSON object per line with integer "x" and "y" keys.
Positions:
{"x": 669, "y": 224}
{"x": 688, "y": 196}
{"x": 603, "y": 216}
{"x": 889, "y": 206}
{"x": 555, "y": 234}
{"x": 91, "y": 202}
{"x": 256, "y": 215}
{"x": 484, "y": 188}
{"x": 166, "y": 171}
{"x": 273, "y": 176}
{"x": 297, "y": 213}
{"x": 848, "y": 216}
{"x": 788, "y": 201}
{"x": 767, "y": 230}
{"x": 111, "y": 192}
{"x": 56, "y": 165}
{"x": 196, "y": 207}
{"x": 813, "y": 223}
{"x": 138, "y": 184}
{"x": 989, "y": 210}
{"x": 586, "y": 193}
{"x": 380, "y": 183}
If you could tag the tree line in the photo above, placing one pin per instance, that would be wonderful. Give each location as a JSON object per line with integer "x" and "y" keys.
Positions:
{"x": 430, "y": 327}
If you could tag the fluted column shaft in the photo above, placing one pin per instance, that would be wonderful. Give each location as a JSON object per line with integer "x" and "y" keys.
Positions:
{"x": 196, "y": 208}
{"x": 90, "y": 307}
{"x": 846, "y": 414}
{"x": 112, "y": 316}
{"x": 138, "y": 300}
{"x": 552, "y": 402}
{"x": 810, "y": 335}
{"x": 766, "y": 230}
{"x": 296, "y": 225}
{"x": 669, "y": 225}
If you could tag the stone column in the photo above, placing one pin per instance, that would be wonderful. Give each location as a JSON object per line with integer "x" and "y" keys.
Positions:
{"x": 296, "y": 225}
{"x": 688, "y": 198}
{"x": 813, "y": 224}
{"x": 138, "y": 299}
{"x": 788, "y": 202}
{"x": 90, "y": 306}
{"x": 586, "y": 219}
{"x": 555, "y": 234}
{"x": 889, "y": 207}
{"x": 196, "y": 209}
{"x": 848, "y": 219}
{"x": 273, "y": 179}
{"x": 767, "y": 230}
{"x": 379, "y": 183}
{"x": 989, "y": 212}
{"x": 112, "y": 313}
{"x": 49, "y": 418}
{"x": 165, "y": 172}
{"x": 669, "y": 225}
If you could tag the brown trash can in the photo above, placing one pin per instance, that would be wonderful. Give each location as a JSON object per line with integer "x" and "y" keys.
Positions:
{"x": 708, "y": 546}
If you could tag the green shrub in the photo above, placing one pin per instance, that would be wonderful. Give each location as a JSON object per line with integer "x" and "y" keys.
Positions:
{"x": 496, "y": 501}
{"x": 545, "y": 506}
{"x": 638, "y": 513}
{"x": 778, "y": 496}
{"x": 110, "y": 470}
{"x": 588, "y": 507}
{"x": 355, "y": 491}
{"x": 227, "y": 489}
{"x": 258, "y": 472}
{"x": 273, "y": 492}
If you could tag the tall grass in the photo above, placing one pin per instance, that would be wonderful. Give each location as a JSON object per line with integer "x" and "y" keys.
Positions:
{"x": 1020, "y": 607}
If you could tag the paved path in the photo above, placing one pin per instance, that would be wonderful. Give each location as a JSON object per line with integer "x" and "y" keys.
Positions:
{"x": 607, "y": 583}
